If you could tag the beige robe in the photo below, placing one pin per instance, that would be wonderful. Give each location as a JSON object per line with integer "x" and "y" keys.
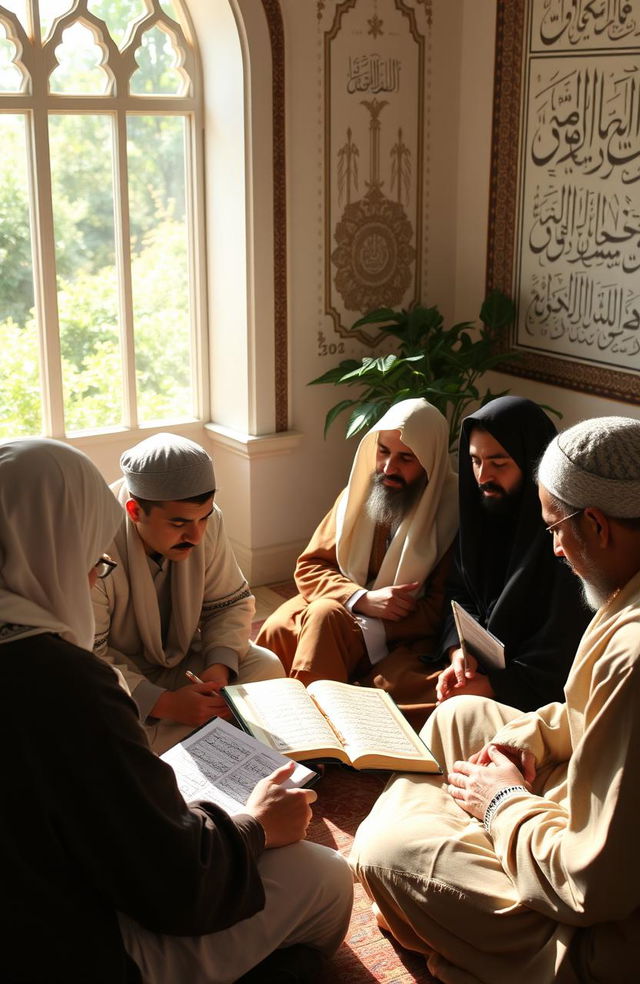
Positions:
{"x": 210, "y": 620}
{"x": 561, "y": 866}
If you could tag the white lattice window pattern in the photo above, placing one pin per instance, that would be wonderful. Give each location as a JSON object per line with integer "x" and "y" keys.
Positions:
{"x": 101, "y": 321}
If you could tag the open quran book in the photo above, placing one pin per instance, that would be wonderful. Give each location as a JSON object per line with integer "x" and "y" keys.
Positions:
{"x": 359, "y": 726}
{"x": 222, "y": 764}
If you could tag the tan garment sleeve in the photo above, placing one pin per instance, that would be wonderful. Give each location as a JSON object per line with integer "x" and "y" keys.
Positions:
{"x": 317, "y": 574}
{"x": 545, "y": 733}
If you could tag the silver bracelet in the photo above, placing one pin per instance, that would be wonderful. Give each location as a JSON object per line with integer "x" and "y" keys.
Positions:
{"x": 499, "y": 798}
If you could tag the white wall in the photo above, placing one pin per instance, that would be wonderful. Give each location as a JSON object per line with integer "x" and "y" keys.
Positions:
{"x": 275, "y": 488}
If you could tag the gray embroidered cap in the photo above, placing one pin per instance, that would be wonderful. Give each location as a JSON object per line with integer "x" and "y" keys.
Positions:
{"x": 167, "y": 467}
{"x": 596, "y": 463}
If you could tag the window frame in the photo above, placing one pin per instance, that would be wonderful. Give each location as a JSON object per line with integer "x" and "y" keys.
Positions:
{"x": 36, "y": 103}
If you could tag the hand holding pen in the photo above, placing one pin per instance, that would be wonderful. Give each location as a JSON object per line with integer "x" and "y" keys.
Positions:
{"x": 194, "y": 704}
{"x": 211, "y": 683}
{"x": 222, "y": 708}
{"x": 193, "y": 677}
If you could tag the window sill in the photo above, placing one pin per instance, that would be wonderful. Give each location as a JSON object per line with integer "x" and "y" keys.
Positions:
{"x": 252, "y": 446}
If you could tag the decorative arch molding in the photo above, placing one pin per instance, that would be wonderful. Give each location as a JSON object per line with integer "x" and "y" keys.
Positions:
{"x": 273, "y": 14}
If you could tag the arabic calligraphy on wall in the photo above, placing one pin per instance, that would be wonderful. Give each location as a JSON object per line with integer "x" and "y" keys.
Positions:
{"x": 374, "y": 84}
{"x": 576, "y": 270}
{"x": 584, "y": 24}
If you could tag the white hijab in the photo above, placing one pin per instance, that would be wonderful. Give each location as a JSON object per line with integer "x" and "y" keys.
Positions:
{"x": 427, "y": 531}
{"x": 57, "y": 516}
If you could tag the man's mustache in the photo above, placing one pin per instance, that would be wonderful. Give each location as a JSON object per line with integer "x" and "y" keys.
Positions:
{"x": 381, "y": 478}
{"x": 491, "y": 487}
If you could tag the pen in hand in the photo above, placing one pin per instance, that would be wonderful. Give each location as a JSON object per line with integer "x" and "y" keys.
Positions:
{"x": 196, "y": 679}
{"x": 193, "y": 677}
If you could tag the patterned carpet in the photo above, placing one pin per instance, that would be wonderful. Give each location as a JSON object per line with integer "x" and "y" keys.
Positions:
{"x": 367, "y": 956}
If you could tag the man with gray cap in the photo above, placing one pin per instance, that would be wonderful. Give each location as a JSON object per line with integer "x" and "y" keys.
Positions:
{"x": 178, "y": 603}
{"x": 525, "y": 859}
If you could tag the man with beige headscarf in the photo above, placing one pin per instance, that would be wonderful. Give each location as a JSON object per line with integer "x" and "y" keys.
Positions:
{"x": 524, "y": 860}
{"x": 372, "y": 578}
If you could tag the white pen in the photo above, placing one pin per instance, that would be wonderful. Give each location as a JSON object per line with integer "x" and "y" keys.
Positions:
{"x": 193, "y": 677}
{"x": 196, "y": 679}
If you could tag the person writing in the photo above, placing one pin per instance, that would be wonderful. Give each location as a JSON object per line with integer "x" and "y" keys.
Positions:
{"x": 177, "y": 600}
{"x": 108, "y": 875}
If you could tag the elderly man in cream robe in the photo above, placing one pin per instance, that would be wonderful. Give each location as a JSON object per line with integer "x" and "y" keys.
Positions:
{"x": 175, "y": 617}
{"x": 372, "y": 578}
{"x": 522, "y": 861}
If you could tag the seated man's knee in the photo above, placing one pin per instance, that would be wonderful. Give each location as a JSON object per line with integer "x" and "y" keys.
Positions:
{"x": 265, "y": 664}
{"x": 375, "y": 849}
{"x": 324, "y": 609}
{"x": 456, "y": 713}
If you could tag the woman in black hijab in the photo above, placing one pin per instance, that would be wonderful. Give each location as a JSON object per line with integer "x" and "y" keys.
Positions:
{"x": 506, "y": 574}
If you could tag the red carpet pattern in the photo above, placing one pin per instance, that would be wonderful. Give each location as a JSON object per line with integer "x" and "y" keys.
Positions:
{"x": 345, "y": 797}
{"x": 367, "y": 955}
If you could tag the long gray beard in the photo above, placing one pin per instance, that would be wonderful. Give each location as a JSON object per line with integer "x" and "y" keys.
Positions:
{"x": 388, "y": 507}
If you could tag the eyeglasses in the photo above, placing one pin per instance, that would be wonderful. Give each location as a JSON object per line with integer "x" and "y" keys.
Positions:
{"x": 104, "y": 566}
{"x": 551, "y": 529}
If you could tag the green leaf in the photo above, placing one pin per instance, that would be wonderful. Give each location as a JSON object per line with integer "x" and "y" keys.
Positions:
{"x": 557, "y": 413}
{"x": 423, "y": 322}
{"x": 461, "y": 326}
{"x": 370, "y": 367}
{"x": 497, "y": 311}
{"x": 379, "y": 317}
{"x": 465, "y": 342}
{"x": 386, "y": 362}
{"x": 489, "y": 396}
{"x": 442, "y": 365}
{"x": 337, "y": 374}
{"x": 334, "y": 412}
{"x": 404, "y": 394}
{"x": 365, "y": 417}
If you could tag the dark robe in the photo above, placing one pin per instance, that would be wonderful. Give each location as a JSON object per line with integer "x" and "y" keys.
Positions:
{"x": 505, "y": 573}
{"x": 93, "y": 823}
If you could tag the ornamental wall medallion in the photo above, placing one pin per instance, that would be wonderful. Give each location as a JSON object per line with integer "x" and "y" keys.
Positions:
{"x": 374, "y": 117}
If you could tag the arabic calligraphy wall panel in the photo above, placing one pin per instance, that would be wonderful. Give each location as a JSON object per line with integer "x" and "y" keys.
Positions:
{"x": 565, "y": 217}
{"x": 374, "y": 147}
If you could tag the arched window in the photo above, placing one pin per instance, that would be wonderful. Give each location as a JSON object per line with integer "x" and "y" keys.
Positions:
{"x": 101, "y": 293}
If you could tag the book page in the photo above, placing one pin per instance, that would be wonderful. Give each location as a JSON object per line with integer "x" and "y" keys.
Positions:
{"x": 222, "y": 764}
{"x": 282, "y": 714}
{"x": 488, "y": 650}
{"x": 368, "y": 721}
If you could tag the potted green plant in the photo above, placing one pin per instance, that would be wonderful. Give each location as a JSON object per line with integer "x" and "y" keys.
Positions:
{"x": 443, "y": 365}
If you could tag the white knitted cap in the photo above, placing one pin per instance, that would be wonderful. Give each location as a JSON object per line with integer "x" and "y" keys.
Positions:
{"x": 596, "y": 463}
{"x": 166, "y": 467}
